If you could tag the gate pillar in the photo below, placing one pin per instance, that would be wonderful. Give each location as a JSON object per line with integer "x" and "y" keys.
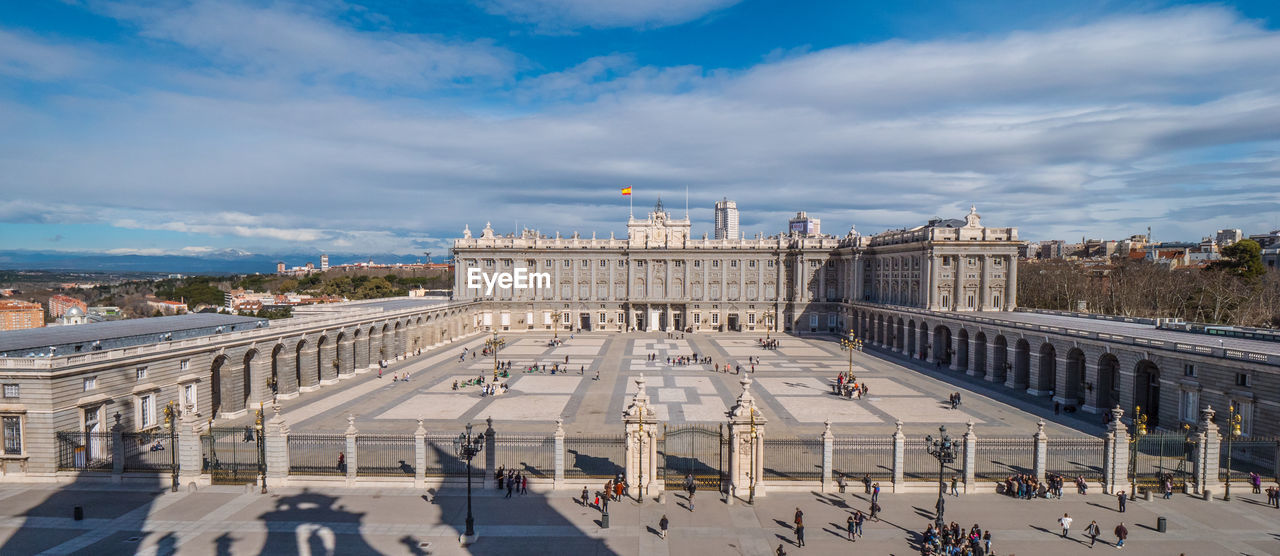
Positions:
{"x": 1208, "y": 450}
{"x": 746, "y": 445}
{"x": 1116, "y": 466}
{"x": 641, "y": 444}
{"x": 190, "y": 447}
{"x": 277, "y": 448}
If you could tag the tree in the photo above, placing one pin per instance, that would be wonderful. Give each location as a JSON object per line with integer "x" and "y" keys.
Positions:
{"x": 1243, "y": 258}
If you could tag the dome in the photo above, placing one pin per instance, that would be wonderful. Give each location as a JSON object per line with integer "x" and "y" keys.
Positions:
{"x": 74, "y": 312}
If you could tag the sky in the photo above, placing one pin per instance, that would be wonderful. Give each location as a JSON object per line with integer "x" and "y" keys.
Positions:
{"x": 154, "y": 127}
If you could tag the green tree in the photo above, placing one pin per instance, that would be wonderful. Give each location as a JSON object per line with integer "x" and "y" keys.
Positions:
{"x": 1242, "y": 258}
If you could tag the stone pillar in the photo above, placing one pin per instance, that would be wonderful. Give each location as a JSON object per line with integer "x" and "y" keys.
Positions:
{"x": 929, "y": 355}
{"x": 286, "y": 377}
{"x": 559, "y": 436}
{"x": 117, "y": 450}
{"x": 1116, "y": 466}
{"x": 1041, "y": 450}
{"x": 190, "y": 448}
{"x": 361, "y": 347}
{"x": 1060, "y": 382}
{"x": 259, "y": 370}
{"x": 970, "y": 453}
{"x": 972, "y": 364}
{"x": 746, "y": 446}
{"x": 352, "y": 456}
{"x": 306, "y": 370}
{"x": 955, "y": 353}
{"x": 1208, "y": 452}
{"x": 329, "y": 363}
{"x": 899, "y": 454}
{"x": 1091, "y": 394}
{"x": 827, "y": 442}
{"x": 277, "y": 448}
{"x": 991, "y": 363}
{"x": 640, "y": 422}
{"x": 420, "y": 455}
{"x": 346, "y": 359}
{"x": 375, "y": 349}
{"x": 1011, "y": 375}
{"x": 490, "y": 455}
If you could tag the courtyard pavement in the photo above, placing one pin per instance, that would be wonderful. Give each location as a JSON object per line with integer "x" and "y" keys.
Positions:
{"x": 37, "y": 519}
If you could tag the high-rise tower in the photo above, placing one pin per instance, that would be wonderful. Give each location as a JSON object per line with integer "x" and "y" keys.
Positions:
{"x": 726, "y": 219}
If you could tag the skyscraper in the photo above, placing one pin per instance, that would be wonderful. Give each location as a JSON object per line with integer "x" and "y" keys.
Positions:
{"x": 324, "y": 262}
{"x": 726, "y": 219}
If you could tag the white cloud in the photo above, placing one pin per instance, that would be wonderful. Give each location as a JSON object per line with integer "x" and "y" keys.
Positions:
{"x": 565, "y": 15}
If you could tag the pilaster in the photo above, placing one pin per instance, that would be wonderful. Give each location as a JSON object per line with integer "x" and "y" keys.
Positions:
{"x": 559, "y": 458}
{"x": 1116, "y": 468}
{"x": 420, "y": 455}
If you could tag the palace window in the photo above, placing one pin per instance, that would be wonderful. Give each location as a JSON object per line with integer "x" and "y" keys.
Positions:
{"x": 1188, "y": 405}
{"x": 1245, "y": 409}
{"x": 973, "y": 261}
{"x": 567, "y": 263}
{"x": 585, "y": 263}
{"x": 602, "y": 318}
{"x": 189, "y": 394}
{"x": 770, "y": 263}
{"x": 997, "y": 261}
{"x": 1242, "y": 379}
{"x": 715, "y": 319}
{"x": 733, "y": 264}
{"x": 90, "y": 383}
{"x": 506, "y": 263}
{"x": 184, "y": 364}
{"x": 147, "y": 410}
{"x": 946, "y": 301}
{"x": 995, "y": 300}
{"x": 971, "y": 304}
{"x": 813, "y": 264}
{"x": 946, "y": 261}
{"x": 12, "y": 434}
{"x": 697, "y": 319}
{"x": 697, "y": 264}
{"x": 715, "y": 264}
{"x": 678, "y": 264}
{"x": 751, "y": 318}
{"x": 11, "y": 391}
{"x": 1189, "y": 369}
{"x": 751, "y": 264}
{"x": 142, "y": 374}
{"x": 488, "y": 263}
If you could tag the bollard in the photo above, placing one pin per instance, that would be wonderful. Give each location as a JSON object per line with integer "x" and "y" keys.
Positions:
{"x": 77, "y": 513}
{"x": 604, "y": 520}
{"x": 1146, "y": 494}
{"x": 1161, "y": 524}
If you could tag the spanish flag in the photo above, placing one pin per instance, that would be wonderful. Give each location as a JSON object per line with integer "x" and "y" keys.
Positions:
{"x": 626, "y": 191}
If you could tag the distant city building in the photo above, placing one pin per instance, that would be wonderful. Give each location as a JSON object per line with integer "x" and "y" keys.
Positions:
{"x": 1053, "y": 249}
{"x": 167, "y": 307}
{"x": 726, "y": 219}
{"x": 104, "y": 313}
{"x": 805, "y": 226}
{"x": 74, "y": 315}
{"x": 1028, "y": 250}
{"x": 20, "y": 315}
{"x": 324, "y": 262}
{"x": 280, "y": 267}
{"x": 59, "y": 304}
{"x": 1269, "y": 239}
{"x": 311, "y": 266}
{"x": 1225, "y": 238}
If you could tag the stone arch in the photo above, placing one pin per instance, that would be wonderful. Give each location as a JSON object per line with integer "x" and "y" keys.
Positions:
{"x": 315, "y": 374}
{"x": 344, "y": 356}
{"x": 1047, "y": 375}
{"x": 923, "y": 342}
{"x": 246, "y": 378}
{"x": 1146, "y": 391}
{"x": 898, "y": 340}
{"x": 215, "y": 383}
{"x": 1021, "y": 363}
{"x": 962, "y": 350}
{"x": 273, "y": 381}
{"x": 942, "y": 351}
{"x": 911, "y": 337}
{"x": 979, "y": 355}
{"x": 1000, "y": 359}
{"x": 1107, "y": 390}
{"x": 300, "y": 351}
{"x": 397, "y": 346}
{"x": 1071, "y": 391}
{"x": 384, "y": 345}
{"x": 359, "y": 350}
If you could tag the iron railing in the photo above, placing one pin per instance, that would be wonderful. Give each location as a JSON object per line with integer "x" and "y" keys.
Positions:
{"x": 919, "y": 465}
{"x": 317, "y": 454}
{"x": 534, "y": 456}
{"x": 594, "y": 456}
{"x": 995, "y": 458}
{"x": 83, "y": 451}
{"x": 1075, "y": 457}
{"x": 442, "y": 457}
{"x": 385, "y": 455}
{"x": 1160, "y": 455}
{"x": 859, "y": 456}
{"x": 792, "y": 459}
{"x": 1251, "y": 455}
{"x": 148, "y": 452}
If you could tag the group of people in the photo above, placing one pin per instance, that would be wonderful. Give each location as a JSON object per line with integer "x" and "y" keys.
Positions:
{"x": 768, "y": 344}
{"x": 954, "y": 399}
{"x": 512, "y": 480}
{"x": 953, "y": 540}
{"x": 847, "y": 386}
{"x": 487, "y": 388}
{"x": 1093, "y": 531}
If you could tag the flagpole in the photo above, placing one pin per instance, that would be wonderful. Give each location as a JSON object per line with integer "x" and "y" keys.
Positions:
{"x": 632, "y": 200}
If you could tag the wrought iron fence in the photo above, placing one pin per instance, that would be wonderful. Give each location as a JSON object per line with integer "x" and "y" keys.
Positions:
{"x": 534, "y": 456}
{"x": 442, "y": 457}
{"x": 792, "y": 459}
{"x": 918, "y": 465}
{"x": 594, "y": 456}
{"x": 149, "y": 452}
{"x": 997, "y": 457}
{"x": 83, "y": 451}
{"x": 231, "y": 455}
{"x": 860, "y": 456}
{"x": 1251, "y": 455}
{"x": 317, "y": 454}
{"x": 1076, "y": 457}
{"x": 385, "y": 455}
{"x": 1160, "y": 455}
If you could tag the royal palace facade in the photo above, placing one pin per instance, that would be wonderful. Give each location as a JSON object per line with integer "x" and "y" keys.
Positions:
{"x": 660, "y": 278}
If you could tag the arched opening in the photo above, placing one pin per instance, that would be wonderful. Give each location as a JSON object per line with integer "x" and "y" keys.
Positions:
{"x": 1107, "y": 390}
{"x": 923, "y": 341}
{"x": 962, "y": 350}
{"x": 1048, "y": 375}
{"x": 897, "y": 336}
{"x": 1073, "y": 387}
{"x": 942, "y": 350}
{"x": 980, "y": 355}
{"x": 1146, "y": 391}
{"x": 297, "y": 364}
{"x": 273, "y": 381}
{"x": 1021, "y": 363}
{"x": 322, "y": 344}
{"x": 246, "y": 379}
{"x": 1000, "y": 359}
{"x": 343, "y": 363}
{"x": 911, "y": 337}
{"x": 215, "y": 383}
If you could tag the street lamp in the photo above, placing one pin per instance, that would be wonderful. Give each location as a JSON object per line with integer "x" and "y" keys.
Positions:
{"x": 171, "y": 422}
{"x": 262, "y": 449}
{"x": 852, "y": 343}
{"x": 769, "y": 315}
{"x": 1233, "y": 431}
{"x": 944, "y": 450}
{"x": 555, "y": 331}
{"x": 494, "y": 344}
{"x": 1139, "y": 431}
{"x": 467, "y": 446}
{"x": 751, "y": 474}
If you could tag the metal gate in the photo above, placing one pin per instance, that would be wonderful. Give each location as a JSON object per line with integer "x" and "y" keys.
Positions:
{"x": 1162, "y": 455}
{"x": 232, "y": 456}
{"x": 693, "y": 450}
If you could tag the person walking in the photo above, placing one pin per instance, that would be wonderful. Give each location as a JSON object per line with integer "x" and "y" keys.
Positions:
{"x": 849, "y": 526}
{"x": 799, "y": 517}
{"x": 1093, "y": 531}
{"x": 875, "y": 492}
{"x": 1120, "y": 498}
{"x": 693, "y": 489}
{"x": 875, "y": 511}
{"x": 986, "y": 542}
{"x": 662, "y": 526}
{"x": 584, "y": 497}
{"x": 524, "y": 485}
{"x": 800, "y": 534}
{"x": 858, "y": 518}
{"x": 866, "y": 483}
{"x": 1065, "y": 522}
{"x": 1121, "y": 535}
{"x": 511, "y": 486}
{"x": 954, "y": 481}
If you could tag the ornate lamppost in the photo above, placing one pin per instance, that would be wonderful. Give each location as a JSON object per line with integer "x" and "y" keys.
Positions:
{"x": 555, "y": 329}
{"x": 751, "y": 474}
{"x": 1233, "y": 431}
{"x": 171, "y": 422}
{"x": 852, "y": 343}
{"x": 944, "y": 450}
{"x": 494, "y": 344}
{"x": 1139, "y": 431}
{"x": 467, "y": 446}
{"x": 262, "y": 449}
{"x": 769, "y": 316}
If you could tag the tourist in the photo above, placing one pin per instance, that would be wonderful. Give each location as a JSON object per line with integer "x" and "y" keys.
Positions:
{"x": 692, "y": 486}
{"x": 584, "y": 496}
{"x": 866, "y": 483}
{"x": 858, "y": 518}
{"x": 875, "y": 511}
{"x": 1065, "y": 522}
{"x": 1121, "y": 500}
{"x": 800, "y": 534}
{"x": 1121, "y": 535}
{"x": 954, "y": 481}
{"x": 1093, "y": 531}
{"x": 662, "y": 526}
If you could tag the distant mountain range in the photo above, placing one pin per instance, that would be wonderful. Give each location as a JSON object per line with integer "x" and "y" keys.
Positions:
{"x": 228, "y": 261}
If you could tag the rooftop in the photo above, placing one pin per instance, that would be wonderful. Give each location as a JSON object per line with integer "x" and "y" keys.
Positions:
{"x": 19, "y": 343}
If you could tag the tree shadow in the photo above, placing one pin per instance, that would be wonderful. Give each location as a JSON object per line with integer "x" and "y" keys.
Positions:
{"x": 414, "y": 546}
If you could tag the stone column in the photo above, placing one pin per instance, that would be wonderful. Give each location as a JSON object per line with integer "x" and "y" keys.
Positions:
{"x": 559, "y": 461}
{"x": 259, "y": 370}
{"x": 929, "y": 355}
{"x": 1091, "y": 394}
{"x": 117, "y": 450}
{"x": 277, "y": 448}
{"x": 899, "y": 454}
{"x": 286, "y": 377}
{"x": 1208, "y": 450}
{"x": 972, "y": 363}
{"x": 346, "y": 363}
{"x": 307, "y": 363}
{"x": 955, "y": 352}
{"x": 746, "y": 446}
{"x": 1116, "y": 467}
{"x": 640, "y": 422}
{"x": 352, "y": 464}
{"x": 375, "y": 345}
{"x": 827, "y": 445}
{"x": 970, "y": 455}
{"x": 420, "y": 455}
{"x": 328, "y": 358}
{"x": 1060, "y": 381}
{"x": 1041, "y": 450}
{"x": 190, "y": 448}
{"x": 1033, "y": 375}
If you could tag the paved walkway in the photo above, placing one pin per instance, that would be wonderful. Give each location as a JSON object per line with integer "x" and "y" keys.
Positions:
{"x": 37, "y": 519}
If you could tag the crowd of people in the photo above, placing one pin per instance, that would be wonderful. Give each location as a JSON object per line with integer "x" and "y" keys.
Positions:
{"x": 953, "y": 540}
{"x": 847, "y": 386}
{"x": 768, "y": 344}
{"x": 513, "y": 481}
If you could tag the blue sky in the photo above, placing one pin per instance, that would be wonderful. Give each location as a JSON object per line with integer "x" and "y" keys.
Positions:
{"x": 273, "y": 127}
